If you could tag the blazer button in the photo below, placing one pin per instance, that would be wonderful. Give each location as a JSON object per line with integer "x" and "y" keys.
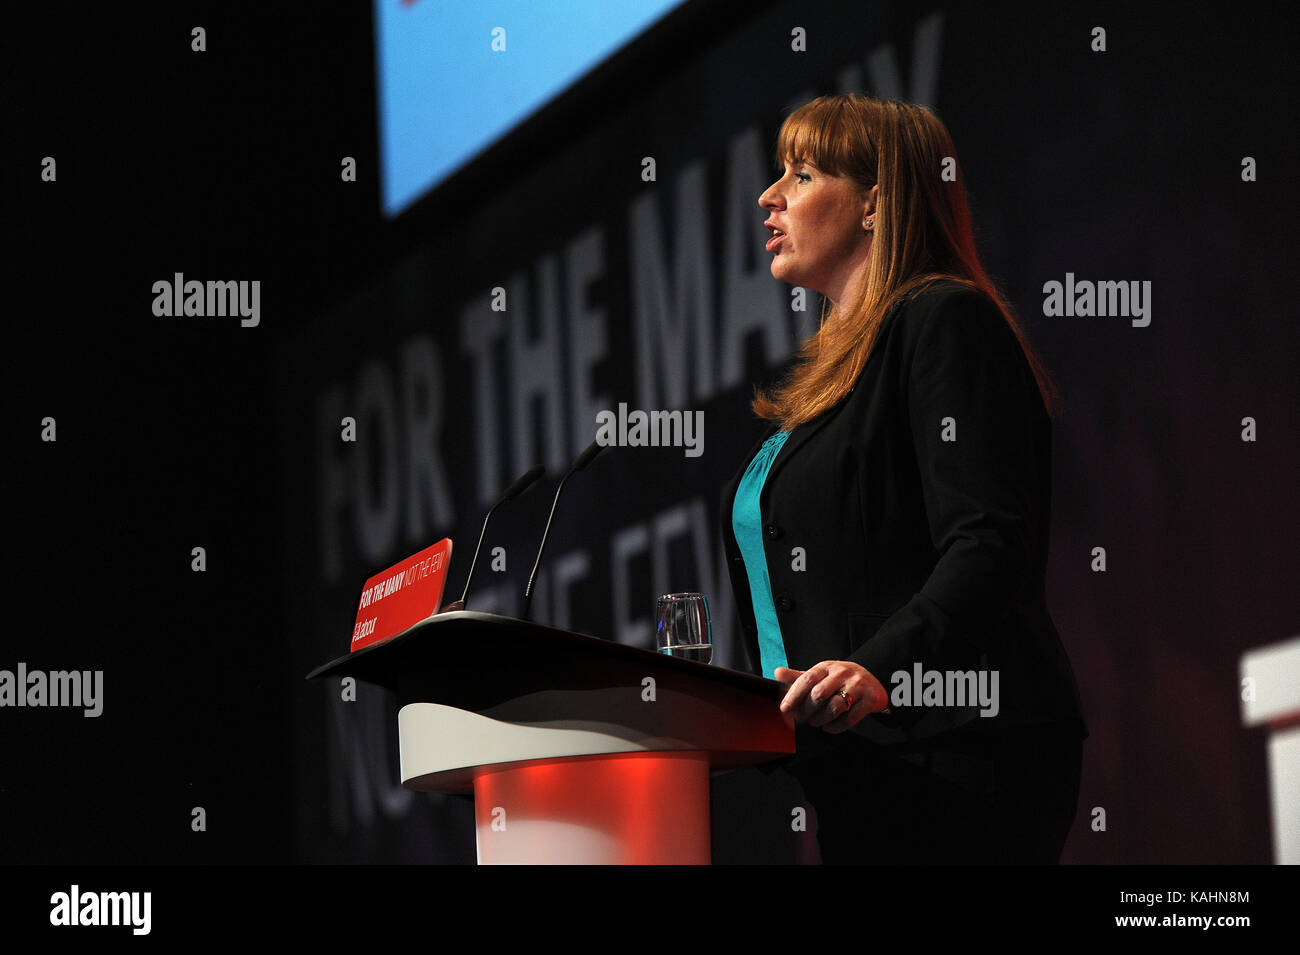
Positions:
{"x": 772, "y": 532}
{"x": 737, "y": 559}
{"x": 784, "y": 604}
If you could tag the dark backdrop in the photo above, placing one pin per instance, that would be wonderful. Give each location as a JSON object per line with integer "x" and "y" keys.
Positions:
{"x": 176, "y": 433}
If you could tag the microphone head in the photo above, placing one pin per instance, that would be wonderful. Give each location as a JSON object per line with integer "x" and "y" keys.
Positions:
{"x": 523, "y": 482}
{"x": 587, "y": 456}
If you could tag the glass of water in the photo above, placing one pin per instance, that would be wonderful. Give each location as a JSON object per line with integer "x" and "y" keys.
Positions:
{"x": 683, "y": 628}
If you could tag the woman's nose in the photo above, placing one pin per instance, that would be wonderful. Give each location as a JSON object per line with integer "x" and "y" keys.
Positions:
{"x": 768, "y": 200}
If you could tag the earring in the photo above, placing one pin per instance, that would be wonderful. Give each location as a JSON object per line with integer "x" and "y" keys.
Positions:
{"x": 866, "y": 226}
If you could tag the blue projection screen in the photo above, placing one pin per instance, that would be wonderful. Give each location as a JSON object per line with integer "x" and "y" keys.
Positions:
{"x": 455, "y": 77}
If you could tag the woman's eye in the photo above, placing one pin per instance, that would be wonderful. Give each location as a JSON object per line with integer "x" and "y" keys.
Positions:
{"x": 803, "y": 177}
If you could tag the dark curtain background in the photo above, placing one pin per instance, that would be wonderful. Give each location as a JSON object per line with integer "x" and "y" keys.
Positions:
{"x": 1123, "y": 165}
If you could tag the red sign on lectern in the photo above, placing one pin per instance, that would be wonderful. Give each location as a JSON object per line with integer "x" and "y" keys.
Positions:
{"x": 402, "y": 595}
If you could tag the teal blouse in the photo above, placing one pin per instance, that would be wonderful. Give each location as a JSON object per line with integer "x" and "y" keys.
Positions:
{"x": 747, "y": 522}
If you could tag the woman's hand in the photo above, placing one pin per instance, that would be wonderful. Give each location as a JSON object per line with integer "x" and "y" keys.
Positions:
{"x": 815, "y": 695}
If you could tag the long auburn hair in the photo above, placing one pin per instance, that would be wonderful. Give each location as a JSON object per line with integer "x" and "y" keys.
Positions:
{"x": 922, "y": 234}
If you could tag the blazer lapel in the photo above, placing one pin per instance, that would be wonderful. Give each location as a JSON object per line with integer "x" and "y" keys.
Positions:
{"x": 804, "y": 432}
{"x": 798, "y": 438}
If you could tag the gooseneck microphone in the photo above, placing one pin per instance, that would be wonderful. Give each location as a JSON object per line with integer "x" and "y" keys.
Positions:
{"x": 514, "y": 490}
{"x": 582, "y": 460}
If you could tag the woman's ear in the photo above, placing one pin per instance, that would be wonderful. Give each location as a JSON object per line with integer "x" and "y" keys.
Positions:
{"x": 869, "y": 204}
{"x": 869, "y": 209}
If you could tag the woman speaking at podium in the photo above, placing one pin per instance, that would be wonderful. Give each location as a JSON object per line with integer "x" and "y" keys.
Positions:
{"x": 888, "y": 540}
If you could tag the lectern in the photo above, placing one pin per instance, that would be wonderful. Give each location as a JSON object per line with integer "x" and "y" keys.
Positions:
{"x": 1273, "y": 674}
{"x": 577, "y": 750}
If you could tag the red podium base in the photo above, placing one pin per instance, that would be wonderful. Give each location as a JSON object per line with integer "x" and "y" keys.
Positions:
{"x": 620, "y": 809}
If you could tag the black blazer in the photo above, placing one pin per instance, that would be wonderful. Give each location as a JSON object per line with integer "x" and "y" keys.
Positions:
{"x": 917, "y": 548}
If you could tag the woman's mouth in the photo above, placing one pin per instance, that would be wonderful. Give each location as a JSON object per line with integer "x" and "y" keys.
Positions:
{"x": 777, "y": 237}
